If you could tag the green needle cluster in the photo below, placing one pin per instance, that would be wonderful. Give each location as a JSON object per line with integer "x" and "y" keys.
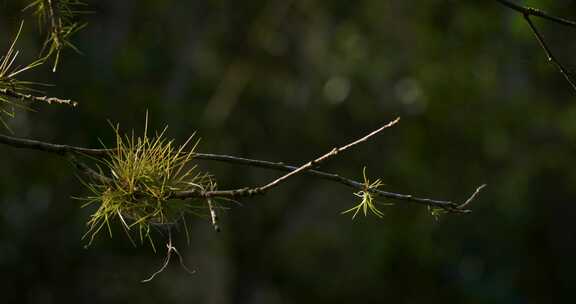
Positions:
{"x": 144, "y": 172}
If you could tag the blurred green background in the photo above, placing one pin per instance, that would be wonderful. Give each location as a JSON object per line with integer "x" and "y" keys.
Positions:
{"x": 287, "y": 80}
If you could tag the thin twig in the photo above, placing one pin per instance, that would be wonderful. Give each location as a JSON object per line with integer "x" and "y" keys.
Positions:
{"x": 245, "y": 192}
{"x": 527, "y": 12}
{"x": 45, "y": 99}
{"x": 472, "y": 197}
{"x": 50, "y": 147}
{"x": 324, "y": 157}
{"x": 567, "y": 75}
{"x": 530, "y": 11}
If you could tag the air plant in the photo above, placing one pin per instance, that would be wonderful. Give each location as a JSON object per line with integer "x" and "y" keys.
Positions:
{"x": 367, "y": 201}
{"x": 144, "y": 172}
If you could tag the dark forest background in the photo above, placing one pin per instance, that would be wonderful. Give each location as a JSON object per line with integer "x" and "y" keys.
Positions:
{"x": 287, "y": 80}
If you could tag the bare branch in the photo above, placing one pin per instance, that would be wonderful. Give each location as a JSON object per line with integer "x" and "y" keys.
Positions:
{"x": 45, "y": 99}
{"x": 567, "y": 75}
{"x": 529, "y": 11}
{"x": 50, "y": 147}
{"x": 262, "y": 189}
{"x": 324, "y": 157}
{"x": 472, "y": 197}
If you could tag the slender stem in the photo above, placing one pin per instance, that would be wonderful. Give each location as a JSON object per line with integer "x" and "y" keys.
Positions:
{"x": 530, "y": 11}
{"x": 548, "y": 52}
{"x": 472, "y": 197}
{"x": 324, "y": 157}
{"x": 50, "y": 147}
{"x": 29, "y": 97}
{"x": 527, "y": 12}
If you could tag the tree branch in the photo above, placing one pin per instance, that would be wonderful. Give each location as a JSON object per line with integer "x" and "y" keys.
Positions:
{"x": 49, "y": 100}
{"x": 529, "y": 11}
{"x": 50, "y": 147}
{"x": 64, "y": 150}
{"x": 324, "y": 157}
{"x": 567, "y": 75}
